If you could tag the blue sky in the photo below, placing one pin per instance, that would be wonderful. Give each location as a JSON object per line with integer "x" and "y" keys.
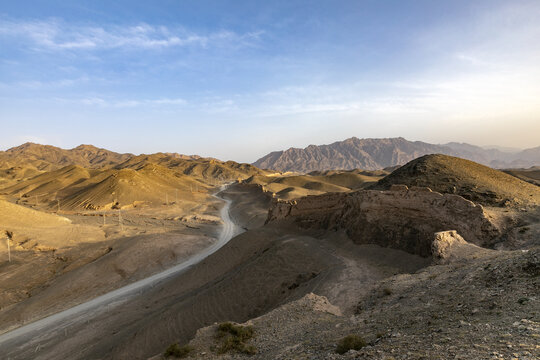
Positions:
{"x": 238, "y": 79}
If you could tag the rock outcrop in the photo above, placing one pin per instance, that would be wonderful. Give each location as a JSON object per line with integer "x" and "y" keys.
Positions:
{"x": 400, "y": 218}
{"x": 449, "y": 246}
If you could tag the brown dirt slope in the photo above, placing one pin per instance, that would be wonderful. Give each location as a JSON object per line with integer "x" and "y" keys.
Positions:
{"x": 12, "y": 215}
{"x": 48, "y": 184}
{"x": 150, "y": 184}
{"x": 475, "y": 182}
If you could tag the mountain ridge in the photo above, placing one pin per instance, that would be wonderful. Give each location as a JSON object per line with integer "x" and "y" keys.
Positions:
{"x": 379, "y": 153}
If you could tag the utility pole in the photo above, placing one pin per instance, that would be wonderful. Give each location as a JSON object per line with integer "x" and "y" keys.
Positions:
{"x": 9, "y": 235}
{"x": 120, "y": 219}
{"x": 8, "y": 249}
{"x": 104, "y": 216}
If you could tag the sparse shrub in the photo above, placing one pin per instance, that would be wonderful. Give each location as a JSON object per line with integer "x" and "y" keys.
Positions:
{"x": 350, "y": 342}
{"x": 234, "y": 337}
{"x": 387, "y": 291}
{"x": 522, "y": 300}
{"x": 523, "y": 230}
{"x": 178, "y": 351}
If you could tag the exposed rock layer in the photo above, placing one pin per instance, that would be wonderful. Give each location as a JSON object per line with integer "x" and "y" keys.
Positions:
{"x": 401, "y": 218}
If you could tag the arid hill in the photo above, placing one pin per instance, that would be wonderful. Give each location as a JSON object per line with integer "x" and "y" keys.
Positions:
{"x": 295, "y": 186}
{"x": 372, "y": 154}
{"x": 473, "y": 181}
{"x": 47, "y": 157}
{"x": 204, "y": 169}
{"x": 100, "y": 179}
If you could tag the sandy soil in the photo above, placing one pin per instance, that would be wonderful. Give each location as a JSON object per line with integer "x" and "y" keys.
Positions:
{"x": 61, "y": 261}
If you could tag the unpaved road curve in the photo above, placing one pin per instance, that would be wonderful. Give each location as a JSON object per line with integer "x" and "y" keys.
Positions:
{"x": 15, "y": 343}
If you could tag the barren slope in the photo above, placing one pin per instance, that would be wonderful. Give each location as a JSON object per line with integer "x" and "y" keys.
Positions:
{"x": 447, "y": 174}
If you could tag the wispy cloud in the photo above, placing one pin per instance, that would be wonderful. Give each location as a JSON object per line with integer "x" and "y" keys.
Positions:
{"x": 38, "y": 84}
{"x": 123, "y": 103}
{"x": 57, "y": 35}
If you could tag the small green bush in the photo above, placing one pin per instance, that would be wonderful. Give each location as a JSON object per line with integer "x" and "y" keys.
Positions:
{"x": 387, "y": 291}
{"x": 233, "y": 338}
{"x": 178, "y": 351}
{"x": 350, "y": 342}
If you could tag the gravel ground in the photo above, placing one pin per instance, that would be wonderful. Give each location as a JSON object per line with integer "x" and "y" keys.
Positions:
{"x": 483, "y": 308}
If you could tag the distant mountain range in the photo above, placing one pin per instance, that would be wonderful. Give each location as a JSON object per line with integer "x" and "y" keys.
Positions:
{"x": 373, "y": 154}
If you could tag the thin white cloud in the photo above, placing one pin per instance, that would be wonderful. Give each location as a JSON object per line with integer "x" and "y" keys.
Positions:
{"x": 56, "y": 35}
{"x": 123, "y": 103}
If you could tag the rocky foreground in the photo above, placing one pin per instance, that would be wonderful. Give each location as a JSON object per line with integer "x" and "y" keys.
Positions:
{"x": 470, "y": 302}
{"x": 486, "y": 307}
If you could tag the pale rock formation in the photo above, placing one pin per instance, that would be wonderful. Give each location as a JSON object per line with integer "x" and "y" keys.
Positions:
{"x": 449, "y": 246}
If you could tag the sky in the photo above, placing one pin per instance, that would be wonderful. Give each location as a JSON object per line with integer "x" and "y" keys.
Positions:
{"x": 238, "y": 79}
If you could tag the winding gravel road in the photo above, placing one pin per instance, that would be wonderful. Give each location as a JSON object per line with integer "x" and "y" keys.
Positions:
{"x": 15, "y": 343}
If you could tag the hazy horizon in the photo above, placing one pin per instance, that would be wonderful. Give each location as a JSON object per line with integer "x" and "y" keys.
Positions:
{"x": 239, "y": 79}
{"x": 488, "y": 147}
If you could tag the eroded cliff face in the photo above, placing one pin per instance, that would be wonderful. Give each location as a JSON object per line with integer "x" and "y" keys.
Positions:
{"x": 400, "y": 218}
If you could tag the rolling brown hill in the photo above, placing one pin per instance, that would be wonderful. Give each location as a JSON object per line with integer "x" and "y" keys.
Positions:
{"x": 473, "y": 181}
{"x": 151, "y": 184}
{"x": 136, "y": 181}
{"x": 87, "y": 177}
{"x": 205, "y": 169}
{"x": 316, "y": 183}
{"x": 372, "y": 154}
{"x": 47, "y": 157}
{"x": 51, "y": 183}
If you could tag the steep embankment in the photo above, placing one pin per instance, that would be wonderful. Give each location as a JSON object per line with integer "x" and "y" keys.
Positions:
{"x": 401, "y": 218}
{"x": 473, "y": 181}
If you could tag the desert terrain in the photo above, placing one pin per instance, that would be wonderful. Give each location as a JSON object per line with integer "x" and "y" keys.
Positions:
{"x": 121, "y": 256}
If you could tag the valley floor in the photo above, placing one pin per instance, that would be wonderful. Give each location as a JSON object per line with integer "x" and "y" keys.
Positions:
{"x": 301, "y": 291}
